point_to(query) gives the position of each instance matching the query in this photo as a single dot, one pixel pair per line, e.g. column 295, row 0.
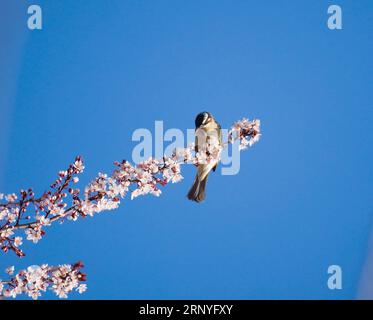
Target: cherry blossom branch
column 62, row 280
column 104, row 193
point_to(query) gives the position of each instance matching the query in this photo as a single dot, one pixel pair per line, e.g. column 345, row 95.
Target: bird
column 207, row 129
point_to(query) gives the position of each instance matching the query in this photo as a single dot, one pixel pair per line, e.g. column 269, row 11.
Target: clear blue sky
column 303, row 198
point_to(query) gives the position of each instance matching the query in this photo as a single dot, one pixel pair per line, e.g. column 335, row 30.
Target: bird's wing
column 204, row 170
column 196, row 144
column 220, row 142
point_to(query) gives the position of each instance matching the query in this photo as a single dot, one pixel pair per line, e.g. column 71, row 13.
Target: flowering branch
column 61, row 280
column 104, row 193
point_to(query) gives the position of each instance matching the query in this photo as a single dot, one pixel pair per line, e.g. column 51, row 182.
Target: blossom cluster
column 247, row 132
column 34, row 280
column 31, row 214
column 65, row 201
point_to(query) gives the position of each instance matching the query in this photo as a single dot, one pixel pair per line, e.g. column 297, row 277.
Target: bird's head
column 203, row 118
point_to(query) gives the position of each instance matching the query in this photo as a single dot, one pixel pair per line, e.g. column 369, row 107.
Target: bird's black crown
column 201, row 117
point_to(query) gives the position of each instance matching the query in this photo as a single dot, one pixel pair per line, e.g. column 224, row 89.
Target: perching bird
column 207, row 129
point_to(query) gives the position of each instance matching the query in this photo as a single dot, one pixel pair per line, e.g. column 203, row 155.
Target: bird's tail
column 197, row 191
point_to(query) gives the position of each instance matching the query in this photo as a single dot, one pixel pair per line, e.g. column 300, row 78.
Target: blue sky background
column 303, row 198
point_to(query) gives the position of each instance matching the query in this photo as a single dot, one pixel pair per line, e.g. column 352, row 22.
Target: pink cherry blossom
column 25, row 212
column 62, row 280
column 10, row 270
